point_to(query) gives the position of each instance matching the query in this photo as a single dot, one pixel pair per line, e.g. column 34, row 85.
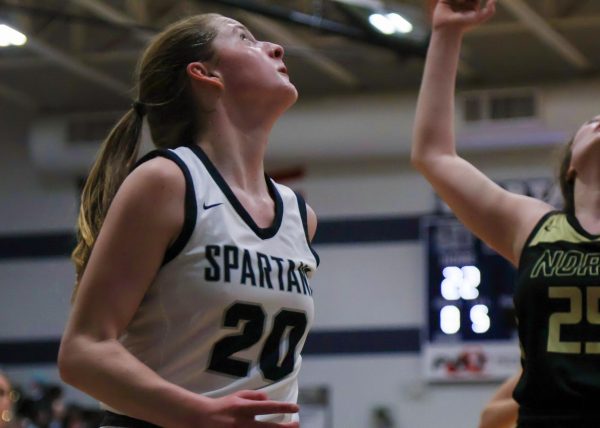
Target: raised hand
column 462, row 14
column 239, row 410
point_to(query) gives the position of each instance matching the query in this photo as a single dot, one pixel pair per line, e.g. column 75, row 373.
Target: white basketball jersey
column 231, row 306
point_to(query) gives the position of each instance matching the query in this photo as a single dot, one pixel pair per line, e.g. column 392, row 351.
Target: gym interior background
column 527, row 80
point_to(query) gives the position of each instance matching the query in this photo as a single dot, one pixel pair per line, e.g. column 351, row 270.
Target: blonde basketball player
column 193, row 299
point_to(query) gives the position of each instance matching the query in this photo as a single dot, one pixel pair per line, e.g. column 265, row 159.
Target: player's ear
column 199, row 73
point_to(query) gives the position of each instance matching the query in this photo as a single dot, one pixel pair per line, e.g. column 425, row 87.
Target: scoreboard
column 471, row 329
column 470, row 287
column 470, row 332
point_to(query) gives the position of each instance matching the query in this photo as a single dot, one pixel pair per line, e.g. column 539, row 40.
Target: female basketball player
column 557, row 253
column 193, row 300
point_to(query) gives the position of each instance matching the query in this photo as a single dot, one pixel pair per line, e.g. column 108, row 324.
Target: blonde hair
column 165, row 97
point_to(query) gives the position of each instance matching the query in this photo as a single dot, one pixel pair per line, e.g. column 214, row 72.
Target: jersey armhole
column 304, row 217
column 191, row 210
column 535, row 231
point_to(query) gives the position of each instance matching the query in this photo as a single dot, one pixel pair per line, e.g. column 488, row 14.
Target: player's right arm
column 500, row 218
column 502, row 410
column 145, row 217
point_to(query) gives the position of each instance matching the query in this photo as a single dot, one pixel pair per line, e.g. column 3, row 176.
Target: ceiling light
column 10, row 36
column 401, row 24
column 382, row 23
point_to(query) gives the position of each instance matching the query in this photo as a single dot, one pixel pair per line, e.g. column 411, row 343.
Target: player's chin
column 293, row 93
column 288, row 94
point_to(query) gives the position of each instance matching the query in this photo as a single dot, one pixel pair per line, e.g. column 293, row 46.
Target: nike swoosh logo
column 206, row 207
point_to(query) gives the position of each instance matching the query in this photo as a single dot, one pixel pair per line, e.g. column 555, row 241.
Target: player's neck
column 239, row 157
column 587, row 205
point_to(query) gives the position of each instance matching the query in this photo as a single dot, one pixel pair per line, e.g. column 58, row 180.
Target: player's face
column 249, row 68
column 585, row 151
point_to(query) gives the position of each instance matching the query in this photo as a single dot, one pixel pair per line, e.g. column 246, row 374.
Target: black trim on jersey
column 111, row 419
column 534, row 232
column 191, row 210
column 579, row 228
column 304, row 217
column 263, row 233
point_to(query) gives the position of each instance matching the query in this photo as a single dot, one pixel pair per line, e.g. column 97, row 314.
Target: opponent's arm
column 500, row 218
column 145, row 216
column 502, row 410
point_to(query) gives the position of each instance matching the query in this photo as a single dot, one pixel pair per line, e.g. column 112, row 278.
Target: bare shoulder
column 530, row 215
column 158, row 171
column 144, row 218
column 312, row 222
column 153, row 194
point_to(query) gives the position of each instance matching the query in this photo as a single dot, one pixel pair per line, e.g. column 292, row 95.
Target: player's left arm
column 311, row 222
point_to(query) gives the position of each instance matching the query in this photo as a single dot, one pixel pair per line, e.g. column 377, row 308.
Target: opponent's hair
column 165, row 97
column 567, row 183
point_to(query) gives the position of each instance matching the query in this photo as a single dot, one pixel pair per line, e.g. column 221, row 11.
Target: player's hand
column 239, row 409
column 462, row 14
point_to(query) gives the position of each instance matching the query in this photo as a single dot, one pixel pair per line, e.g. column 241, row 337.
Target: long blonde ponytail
column 173, row 118
column 115, row 160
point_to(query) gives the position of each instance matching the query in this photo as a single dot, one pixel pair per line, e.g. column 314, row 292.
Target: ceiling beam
column 115, row 16
column 536, row 24
column 76, row 66
column 281, row 35
column 72, row 64
column 407, row 47
column 96, row 58
column 565, row 24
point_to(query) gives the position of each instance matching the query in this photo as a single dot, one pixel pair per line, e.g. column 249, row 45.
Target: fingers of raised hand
column 462, row 5
column 469, row 12
column 488, row 11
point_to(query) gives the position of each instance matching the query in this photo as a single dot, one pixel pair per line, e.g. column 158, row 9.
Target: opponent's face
column 250, row 68
column 586, row 145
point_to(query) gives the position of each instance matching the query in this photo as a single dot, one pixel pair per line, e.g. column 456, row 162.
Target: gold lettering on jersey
column 566, row 263
column 573, row 317
column 593, row 317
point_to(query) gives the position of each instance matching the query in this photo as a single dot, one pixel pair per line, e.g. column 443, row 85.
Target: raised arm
column 146, row 215
column 500, row 218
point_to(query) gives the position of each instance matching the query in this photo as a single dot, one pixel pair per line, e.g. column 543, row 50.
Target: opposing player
column 193, row 299
column 557, row 253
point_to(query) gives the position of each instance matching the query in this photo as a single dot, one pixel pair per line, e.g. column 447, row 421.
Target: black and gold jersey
column 557, row 301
